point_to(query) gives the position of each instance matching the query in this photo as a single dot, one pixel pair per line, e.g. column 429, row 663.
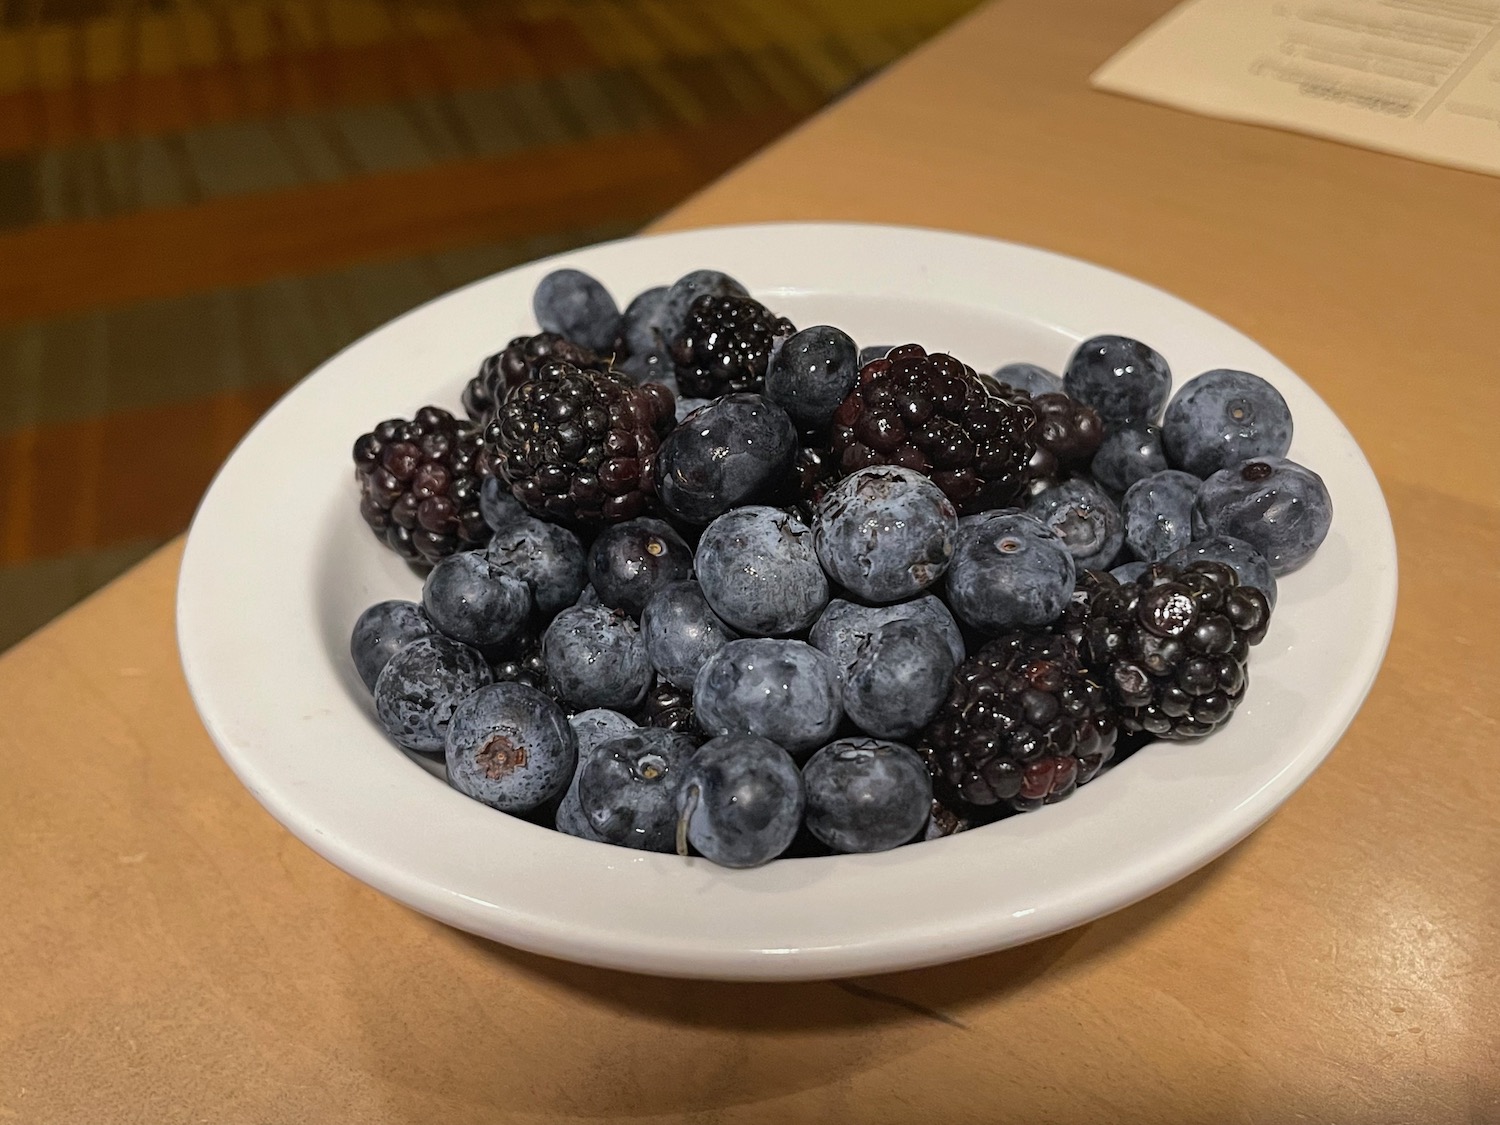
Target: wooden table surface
column 169, row 954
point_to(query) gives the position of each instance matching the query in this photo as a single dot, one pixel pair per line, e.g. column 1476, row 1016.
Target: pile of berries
column 835, row 599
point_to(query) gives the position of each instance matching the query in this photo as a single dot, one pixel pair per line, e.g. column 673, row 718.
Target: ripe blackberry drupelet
column 576, row 445
column 521, row 662
column 419, row 484
column 1023, row 726
column 931, row 413
column 670, row 708
column 1170, row 647
column 1067, row 436
column 517, row 363
column 725, row 345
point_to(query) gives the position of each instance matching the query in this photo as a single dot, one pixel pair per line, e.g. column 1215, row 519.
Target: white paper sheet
column 1416, row 77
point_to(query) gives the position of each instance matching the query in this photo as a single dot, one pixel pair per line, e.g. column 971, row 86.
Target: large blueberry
column 473, row 601
column 1123, row 379
column 547, row 557
column 845, row 627
column 1243, row 559
column 786, row 691
column 1127, row 454
column 1030, row 378
column 1223, row 417
column 1009, row 571
column 646, row 358
column 1158, row 513
column 682, row 631
column 899, row 679
column 885, row 532
column 421, row 686
column 576, row 304
column 812, row 373
column 1084, row 518
column 866, row 795
column 628, row 788
column 724, row 455
column 595, row 657
column 380, row 633
column 740, row 801
column 511, row 747
column 498, row 507
column 630, row 561
column 1279, row 507
column 759, row 571
column 592, row 729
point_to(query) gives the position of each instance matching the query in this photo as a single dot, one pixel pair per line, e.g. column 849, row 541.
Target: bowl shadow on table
column 742, row 1043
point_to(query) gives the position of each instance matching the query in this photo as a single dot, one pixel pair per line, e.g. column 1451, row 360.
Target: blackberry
column 1023, row 726
column 813, row 474
column 517, row 364
column 1067, row 436
column 931, row 413
column 725, row 345
column 670, row 708
column 521, row 662
column 576, row 445
column 419, row 484
column 1170, row 647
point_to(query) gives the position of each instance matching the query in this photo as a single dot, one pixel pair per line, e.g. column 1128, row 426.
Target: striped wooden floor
column 202, row 199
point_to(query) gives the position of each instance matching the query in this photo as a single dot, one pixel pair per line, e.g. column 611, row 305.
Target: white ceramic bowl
column 278, row 566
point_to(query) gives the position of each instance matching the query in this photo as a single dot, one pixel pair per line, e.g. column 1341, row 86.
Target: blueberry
column 885, row 532
column 866, row 795
column 899, row 679
column 740, row 801
column 1158, row 513
column 473, row 601
column 1030, row 378
column 680, row 296
column 510, row 747
column 498, row 507
column 760, row 573
column 646, row 358
column 546, row 557
column 786, row 691
column 596, row 657
column 811, row 374
column 723, row 455
column 1127, row 454
column 630, row 561
column 871, row 352
column 628, row 788
column 380, row 633
column 1245, row 560
column 1084, row 518
column 1223, row 417
column 682, row 631
column 421, row 686
column 578, row 306
column 1009, row 571
column 1123, row 379
column 592, row 729
column 1279, row 507
column 844, row 628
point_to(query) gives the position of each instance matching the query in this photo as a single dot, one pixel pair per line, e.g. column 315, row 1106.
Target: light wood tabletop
column 169, row 954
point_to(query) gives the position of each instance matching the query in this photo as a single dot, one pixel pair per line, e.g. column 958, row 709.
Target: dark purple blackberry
column 521, row 663
column 725, row 346
column 1171, row 647
column 419, row 484
column 1067, row 436
column 813, row 473
column 933, row 414
column 576, row 445
column 516, row 364
column 670, row 708
column 1023, row 726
